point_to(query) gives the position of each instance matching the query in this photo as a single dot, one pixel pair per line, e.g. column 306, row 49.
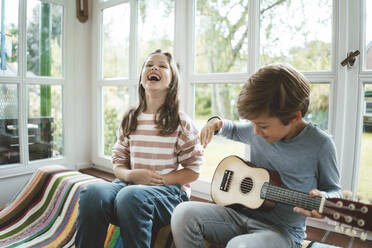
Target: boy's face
column 271, row 129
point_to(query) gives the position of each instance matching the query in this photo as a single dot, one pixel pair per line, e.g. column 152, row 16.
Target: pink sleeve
column 190, row 153
column 120, row 151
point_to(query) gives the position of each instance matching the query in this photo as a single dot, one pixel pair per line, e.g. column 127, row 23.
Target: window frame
column 22, row 80
column 98, row 157
column 342, row 115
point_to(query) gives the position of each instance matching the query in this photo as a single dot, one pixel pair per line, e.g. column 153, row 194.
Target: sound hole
column 246, row 185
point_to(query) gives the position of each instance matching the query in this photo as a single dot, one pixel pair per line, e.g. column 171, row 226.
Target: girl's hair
column 167, row 117
column 276, row 90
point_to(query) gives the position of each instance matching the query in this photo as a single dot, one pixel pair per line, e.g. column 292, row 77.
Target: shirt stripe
column 145, row 148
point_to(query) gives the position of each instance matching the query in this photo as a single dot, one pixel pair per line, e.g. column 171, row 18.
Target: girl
column 156, row 156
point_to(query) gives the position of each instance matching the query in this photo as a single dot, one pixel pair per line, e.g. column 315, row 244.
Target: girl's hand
column 208, row 130
column 145, row 177
column 308, row 213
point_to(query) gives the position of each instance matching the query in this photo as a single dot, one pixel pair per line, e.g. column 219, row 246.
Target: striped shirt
column 145, row 148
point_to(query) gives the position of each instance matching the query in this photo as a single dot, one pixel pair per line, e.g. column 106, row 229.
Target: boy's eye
column 148, row 65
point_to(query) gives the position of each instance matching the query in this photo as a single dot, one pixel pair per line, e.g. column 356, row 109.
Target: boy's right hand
column 208, row 130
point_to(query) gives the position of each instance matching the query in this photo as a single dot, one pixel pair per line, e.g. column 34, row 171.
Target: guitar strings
column 289, row 196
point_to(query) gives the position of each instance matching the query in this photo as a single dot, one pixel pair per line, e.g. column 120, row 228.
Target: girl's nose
column 154, row 67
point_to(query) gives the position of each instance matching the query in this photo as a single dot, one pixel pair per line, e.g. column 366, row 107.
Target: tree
column 222, row 42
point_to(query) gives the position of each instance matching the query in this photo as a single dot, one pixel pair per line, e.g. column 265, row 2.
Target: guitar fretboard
column 290, row 197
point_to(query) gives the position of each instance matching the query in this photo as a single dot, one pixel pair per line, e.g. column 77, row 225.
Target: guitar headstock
column 353, row 214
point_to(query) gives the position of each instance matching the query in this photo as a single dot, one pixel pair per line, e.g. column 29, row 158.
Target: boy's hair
column 167, row 117
column 276, row 90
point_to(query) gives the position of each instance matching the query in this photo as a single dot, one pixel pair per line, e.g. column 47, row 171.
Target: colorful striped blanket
column 44, row 212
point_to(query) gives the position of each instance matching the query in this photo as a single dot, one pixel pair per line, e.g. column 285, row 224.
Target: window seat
column 44, row 212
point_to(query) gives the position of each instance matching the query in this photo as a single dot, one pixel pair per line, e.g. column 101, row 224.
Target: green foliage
column 203, row 104
column 110, row 127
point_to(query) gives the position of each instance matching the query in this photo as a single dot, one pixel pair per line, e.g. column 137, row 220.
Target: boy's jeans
column 136, row 209
column 194, row 222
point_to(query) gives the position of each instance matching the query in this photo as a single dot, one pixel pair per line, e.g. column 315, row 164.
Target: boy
column 274, row 100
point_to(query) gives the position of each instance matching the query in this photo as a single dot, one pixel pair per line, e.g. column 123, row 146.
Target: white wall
column 10, row 186
column 77, row 108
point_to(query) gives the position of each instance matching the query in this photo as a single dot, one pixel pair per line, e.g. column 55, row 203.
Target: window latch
column 350, row 59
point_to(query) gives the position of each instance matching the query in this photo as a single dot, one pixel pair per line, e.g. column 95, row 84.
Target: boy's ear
column 297, row 116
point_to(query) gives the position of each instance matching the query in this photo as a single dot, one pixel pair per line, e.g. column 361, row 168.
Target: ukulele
column 236, row 181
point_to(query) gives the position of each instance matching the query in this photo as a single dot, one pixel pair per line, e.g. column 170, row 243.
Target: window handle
column 350, row 59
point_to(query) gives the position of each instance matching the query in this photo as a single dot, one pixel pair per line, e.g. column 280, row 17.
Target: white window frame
column 344, row 113
column 98, row 158
column 22, row 80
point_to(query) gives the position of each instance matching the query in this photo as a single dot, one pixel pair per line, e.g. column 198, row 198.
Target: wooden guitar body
column 246, row 187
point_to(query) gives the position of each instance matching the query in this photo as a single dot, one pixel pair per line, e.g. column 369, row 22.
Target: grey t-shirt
column 305, row 162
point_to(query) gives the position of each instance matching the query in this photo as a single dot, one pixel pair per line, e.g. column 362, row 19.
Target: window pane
column 217, row 99
column 155, row 27
column 368, row 56
column 319, row 105
column 221, row 30
column 115, row 37
column 365, row 164
column 296, row 32
column 45, row 125
column 44, row 39
column 9, row 140
column 9, row 38
column 115, row 104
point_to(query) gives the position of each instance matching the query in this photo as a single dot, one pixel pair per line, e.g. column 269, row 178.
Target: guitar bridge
column 226, row 180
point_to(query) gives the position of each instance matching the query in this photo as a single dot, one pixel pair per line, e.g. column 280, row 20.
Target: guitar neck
column 290, row 197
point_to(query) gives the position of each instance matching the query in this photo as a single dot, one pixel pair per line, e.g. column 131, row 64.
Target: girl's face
column 156, row 74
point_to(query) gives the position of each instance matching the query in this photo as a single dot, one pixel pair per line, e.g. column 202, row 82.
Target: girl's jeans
column 136, row 209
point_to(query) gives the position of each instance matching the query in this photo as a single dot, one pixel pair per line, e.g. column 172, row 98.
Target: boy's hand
column 307, row 213
column 208, row 130
column 146, row 177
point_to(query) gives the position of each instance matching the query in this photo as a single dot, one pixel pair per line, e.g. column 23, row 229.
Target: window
column 368, row 108
column 368, row 35
column 9, row 38
column 221, row 49
column 305, row 41
column 365, row 168
column 144, row 26
column 115, row 47
column 31, row 82
column 219, row 44
column 217, row 99
column 221, row 33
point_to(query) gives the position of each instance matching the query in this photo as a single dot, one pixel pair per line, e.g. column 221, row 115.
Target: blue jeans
column 194, row 222
column 136, row 209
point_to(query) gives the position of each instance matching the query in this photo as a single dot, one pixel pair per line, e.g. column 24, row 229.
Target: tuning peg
column 347, row 194
column 339, row 228
column 363, row 236
column 359, row 197
column 351, row 232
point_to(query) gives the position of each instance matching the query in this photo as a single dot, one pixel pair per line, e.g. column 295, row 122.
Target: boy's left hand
column 307, row 213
